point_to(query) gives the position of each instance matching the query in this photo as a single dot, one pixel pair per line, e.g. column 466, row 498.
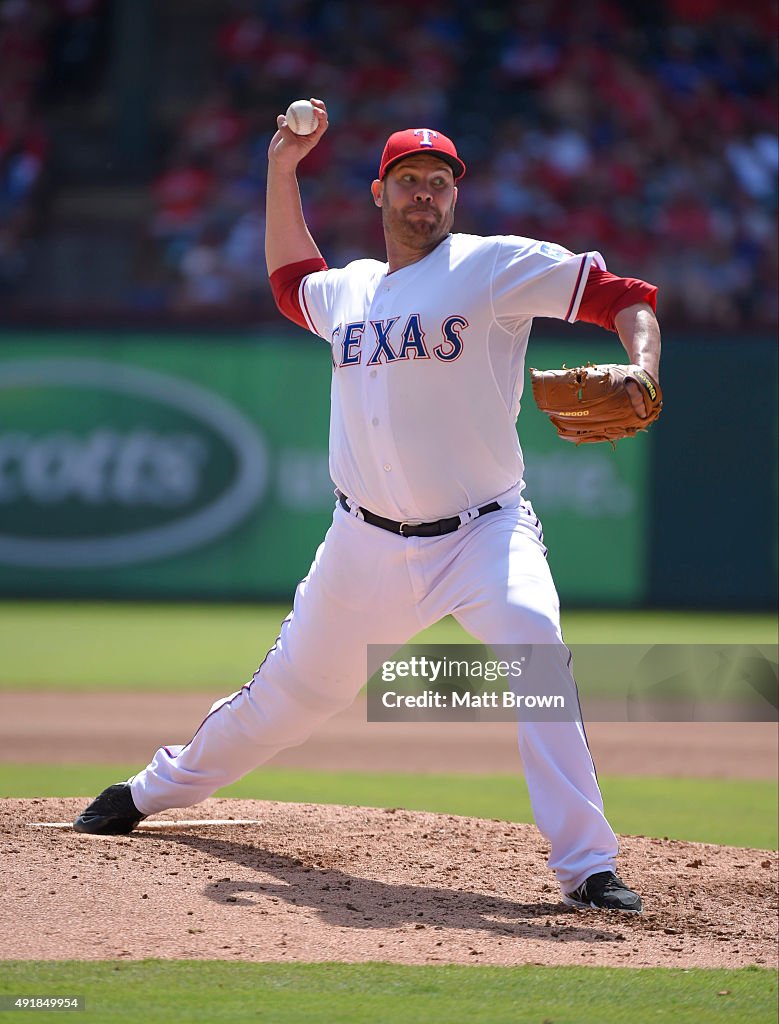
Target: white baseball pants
column 369, row 586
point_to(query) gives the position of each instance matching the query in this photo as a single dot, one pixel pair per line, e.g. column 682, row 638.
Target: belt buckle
column 408, row 522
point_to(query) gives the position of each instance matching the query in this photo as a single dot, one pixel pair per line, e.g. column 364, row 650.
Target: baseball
column 301, row 117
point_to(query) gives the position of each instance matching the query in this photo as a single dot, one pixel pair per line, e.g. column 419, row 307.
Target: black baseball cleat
column 604, row 891
column 113, row 813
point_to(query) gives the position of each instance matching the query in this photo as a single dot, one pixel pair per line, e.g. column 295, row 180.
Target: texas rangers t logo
column 427, row 136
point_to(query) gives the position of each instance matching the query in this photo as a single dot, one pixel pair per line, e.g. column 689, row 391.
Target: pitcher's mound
column 256, row 880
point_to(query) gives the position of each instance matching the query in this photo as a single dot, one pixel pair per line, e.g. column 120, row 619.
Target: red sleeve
column 285, row 285
column 606, row 294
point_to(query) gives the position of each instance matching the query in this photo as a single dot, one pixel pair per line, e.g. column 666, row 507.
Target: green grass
column 727, row 812
column 198, row 647
column 157, row 992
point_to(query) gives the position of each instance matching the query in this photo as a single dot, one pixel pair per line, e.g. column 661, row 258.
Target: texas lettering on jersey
column 386, row 341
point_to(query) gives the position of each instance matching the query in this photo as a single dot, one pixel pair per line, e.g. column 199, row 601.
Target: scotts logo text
column 103, row 465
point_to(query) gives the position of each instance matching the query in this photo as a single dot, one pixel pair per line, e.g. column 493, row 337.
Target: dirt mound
column 278, row 881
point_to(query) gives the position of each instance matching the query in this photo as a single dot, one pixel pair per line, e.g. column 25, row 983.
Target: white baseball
column 301, row 117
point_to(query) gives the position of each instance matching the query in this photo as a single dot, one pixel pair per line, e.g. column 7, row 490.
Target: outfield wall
column 173, row 466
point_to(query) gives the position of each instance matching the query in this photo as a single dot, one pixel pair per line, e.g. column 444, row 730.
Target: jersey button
column 373, row 373
column 387, row 467
column 375, row 421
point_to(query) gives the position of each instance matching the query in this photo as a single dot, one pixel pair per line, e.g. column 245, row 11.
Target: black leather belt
column 412, row 529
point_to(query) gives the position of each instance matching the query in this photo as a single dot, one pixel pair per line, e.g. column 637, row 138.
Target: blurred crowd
column 646, row 131
column 46, row 47
column 23, row 142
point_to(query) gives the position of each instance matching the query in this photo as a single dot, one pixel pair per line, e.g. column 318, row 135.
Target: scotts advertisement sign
column 104, row 464
column 152, row 465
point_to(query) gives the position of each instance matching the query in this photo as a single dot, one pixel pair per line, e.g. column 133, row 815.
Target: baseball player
column 428, row 353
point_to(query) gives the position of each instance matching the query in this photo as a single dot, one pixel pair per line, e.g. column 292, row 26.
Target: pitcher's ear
column 377, row 191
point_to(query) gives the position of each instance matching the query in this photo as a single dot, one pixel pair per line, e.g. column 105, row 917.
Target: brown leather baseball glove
column 593, row 403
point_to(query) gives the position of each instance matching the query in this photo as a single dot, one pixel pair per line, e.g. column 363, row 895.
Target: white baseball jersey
column 428, row 368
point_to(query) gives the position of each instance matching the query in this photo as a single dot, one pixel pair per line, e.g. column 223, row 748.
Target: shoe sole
column 578, row 905
column 109, row 829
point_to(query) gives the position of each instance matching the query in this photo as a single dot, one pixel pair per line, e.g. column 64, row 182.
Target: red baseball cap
column 413, row 141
